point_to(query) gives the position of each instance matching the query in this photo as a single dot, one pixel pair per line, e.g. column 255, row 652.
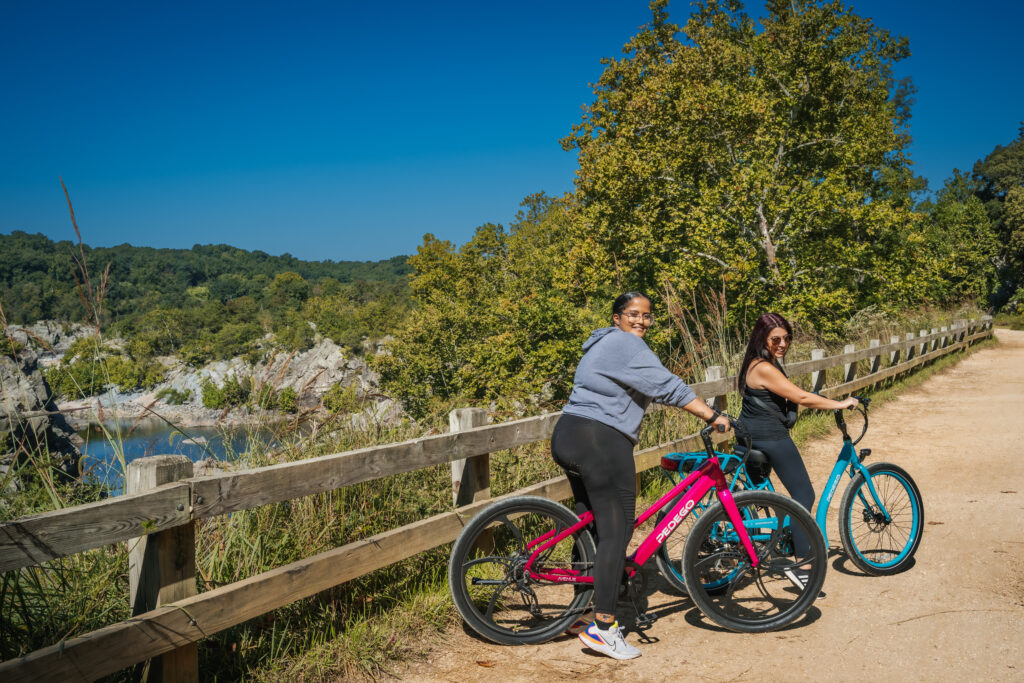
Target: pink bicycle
column 520, row 572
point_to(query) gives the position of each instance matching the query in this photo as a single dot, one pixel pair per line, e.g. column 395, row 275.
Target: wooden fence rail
column 171, row 627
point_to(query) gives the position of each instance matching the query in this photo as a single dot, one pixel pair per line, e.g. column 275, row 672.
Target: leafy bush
column 9, row 347
column 287, row 400
column 173, row 397
column 81, row 376
column 342, row 398
column 234, row 392
column 264, row 396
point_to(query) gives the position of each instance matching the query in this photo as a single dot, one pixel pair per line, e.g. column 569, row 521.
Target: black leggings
column 599, row 463
column 789, row 466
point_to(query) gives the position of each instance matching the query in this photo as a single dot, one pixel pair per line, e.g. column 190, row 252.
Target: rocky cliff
column 29, row 423
column 310, row 374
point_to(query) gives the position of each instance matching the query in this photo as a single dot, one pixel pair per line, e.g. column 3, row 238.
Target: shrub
column 9, row 347
column 264, row 396
column 212, row 396
column 234, row 392
column 287, row 400
column 342, row 398
column 173, row 397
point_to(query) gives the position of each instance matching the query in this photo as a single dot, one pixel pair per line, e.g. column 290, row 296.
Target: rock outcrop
column 309, row 373
column 29, row 421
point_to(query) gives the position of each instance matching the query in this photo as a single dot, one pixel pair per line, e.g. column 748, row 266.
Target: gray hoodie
column 618, row 377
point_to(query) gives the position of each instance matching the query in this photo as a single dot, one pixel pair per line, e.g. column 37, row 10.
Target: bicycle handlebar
column 738, row 427
column 862, row 408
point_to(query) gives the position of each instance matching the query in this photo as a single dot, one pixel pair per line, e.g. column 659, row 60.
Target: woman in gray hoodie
column 617, row 378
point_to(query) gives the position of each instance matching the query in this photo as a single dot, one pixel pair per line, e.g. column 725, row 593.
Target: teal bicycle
column 881, row 514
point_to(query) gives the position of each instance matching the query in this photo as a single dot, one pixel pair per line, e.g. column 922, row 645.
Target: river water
column 111, row 446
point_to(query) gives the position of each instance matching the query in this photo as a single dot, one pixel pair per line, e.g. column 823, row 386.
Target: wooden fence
column 163, row 502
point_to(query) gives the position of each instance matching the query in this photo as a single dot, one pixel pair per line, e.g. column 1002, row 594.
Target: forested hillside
column 210, row 302
column 37, row 275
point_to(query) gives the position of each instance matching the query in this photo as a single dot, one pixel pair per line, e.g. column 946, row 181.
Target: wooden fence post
column 849, row 369
column 875, row 361
column 471, row 477
column 911, row 349
column 818, row 376
column 162, row 566
column 944, row 341
column 934, row 344
column 922, row 348
column 894, row 356
column 712, row 373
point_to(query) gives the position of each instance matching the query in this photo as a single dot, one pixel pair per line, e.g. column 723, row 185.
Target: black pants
column 599, row 463
column 789, row 466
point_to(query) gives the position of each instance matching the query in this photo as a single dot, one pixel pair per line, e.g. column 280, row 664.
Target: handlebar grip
column 720, row 428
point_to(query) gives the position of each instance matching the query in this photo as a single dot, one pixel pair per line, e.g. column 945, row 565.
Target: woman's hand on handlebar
column 721, row 423
column 850, row 403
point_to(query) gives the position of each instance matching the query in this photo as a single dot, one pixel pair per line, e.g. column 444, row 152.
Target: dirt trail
column 957, row 614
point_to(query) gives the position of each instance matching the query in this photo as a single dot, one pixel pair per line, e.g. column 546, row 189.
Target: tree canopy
column 766, row 155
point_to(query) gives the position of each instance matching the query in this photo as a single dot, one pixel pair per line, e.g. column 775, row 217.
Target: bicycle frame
column 689, row 491
column 848, row 460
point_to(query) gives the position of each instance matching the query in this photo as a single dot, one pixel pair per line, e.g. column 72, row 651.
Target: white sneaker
column 800, row 579
column 580, row 624
column 608, row 642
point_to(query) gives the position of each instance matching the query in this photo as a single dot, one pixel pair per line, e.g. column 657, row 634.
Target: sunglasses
column 775, row 341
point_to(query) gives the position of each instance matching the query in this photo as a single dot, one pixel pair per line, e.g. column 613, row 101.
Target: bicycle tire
column 875, row 546
column 762, row 598
column 493, row 594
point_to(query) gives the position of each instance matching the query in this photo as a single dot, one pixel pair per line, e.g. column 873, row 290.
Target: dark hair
column 757, row 348
column 622, row 300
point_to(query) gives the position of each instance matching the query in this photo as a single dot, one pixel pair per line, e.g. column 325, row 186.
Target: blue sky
column 346, row 131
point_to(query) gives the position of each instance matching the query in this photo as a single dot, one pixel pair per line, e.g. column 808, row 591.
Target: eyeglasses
column 634, row 316
column 775, row 341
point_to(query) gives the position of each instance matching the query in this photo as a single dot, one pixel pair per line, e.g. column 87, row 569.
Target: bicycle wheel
column 875, row 545
column 761, row 598
column 489, row 586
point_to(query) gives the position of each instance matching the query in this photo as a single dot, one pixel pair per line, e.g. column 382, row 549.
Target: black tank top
column 769, row 416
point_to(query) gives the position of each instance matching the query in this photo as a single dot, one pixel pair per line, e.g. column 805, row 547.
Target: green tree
column 1000, row 182
column 754, row 157
column 288, row 290
column 493, row 321
column 962, row 246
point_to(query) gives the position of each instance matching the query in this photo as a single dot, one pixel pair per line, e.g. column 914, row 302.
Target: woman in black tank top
column 769, row 410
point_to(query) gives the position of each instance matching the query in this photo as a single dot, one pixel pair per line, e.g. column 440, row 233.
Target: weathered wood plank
column 651, row 457
column 38, row 538
column 120, row 645
column 246, row 489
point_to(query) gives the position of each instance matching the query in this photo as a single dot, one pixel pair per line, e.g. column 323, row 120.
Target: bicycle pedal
column 645, row 620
